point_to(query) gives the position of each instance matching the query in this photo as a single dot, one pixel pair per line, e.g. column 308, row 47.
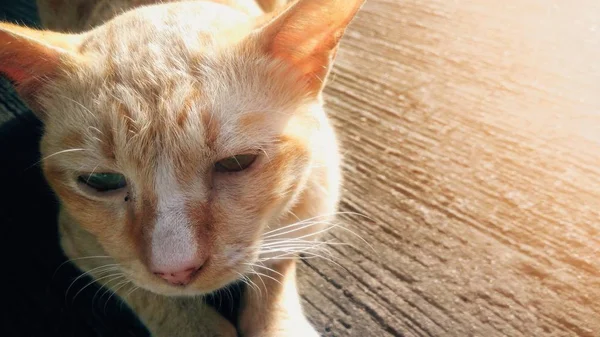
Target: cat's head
column 176, row 133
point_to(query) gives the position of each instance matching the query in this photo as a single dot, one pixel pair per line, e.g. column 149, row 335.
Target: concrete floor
column 471, row 133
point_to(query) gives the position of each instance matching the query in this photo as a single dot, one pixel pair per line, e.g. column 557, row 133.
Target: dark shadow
column 36, row 279
column 35, row 300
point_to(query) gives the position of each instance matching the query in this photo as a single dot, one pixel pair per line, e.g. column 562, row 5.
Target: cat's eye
column 235, row 163
column 103, row 182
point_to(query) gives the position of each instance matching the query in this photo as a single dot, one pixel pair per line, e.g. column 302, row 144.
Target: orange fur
column 159, row 94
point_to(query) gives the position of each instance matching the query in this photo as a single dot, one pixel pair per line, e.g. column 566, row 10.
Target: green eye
column 236, row 163
column 103, row 182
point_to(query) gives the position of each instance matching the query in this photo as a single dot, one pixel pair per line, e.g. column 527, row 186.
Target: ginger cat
column 189, row 149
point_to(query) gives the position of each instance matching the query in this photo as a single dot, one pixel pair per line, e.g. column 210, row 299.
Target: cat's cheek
column 285, row 178
column 264, row 195
column 97, row 220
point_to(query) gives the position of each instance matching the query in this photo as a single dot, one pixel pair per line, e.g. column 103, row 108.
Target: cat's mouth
column 183, row 277
column 210, row 277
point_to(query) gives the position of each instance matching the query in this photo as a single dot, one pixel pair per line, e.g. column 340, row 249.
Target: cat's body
column 159, row 96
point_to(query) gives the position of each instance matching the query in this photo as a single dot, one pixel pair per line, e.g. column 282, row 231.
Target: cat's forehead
column 227, row 90
column 169, row 88
column 164, row 58
column 168, row 30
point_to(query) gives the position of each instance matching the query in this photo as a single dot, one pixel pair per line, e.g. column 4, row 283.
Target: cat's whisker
column 123, row 298
column 359, row 237
column 283, row 239
column 250, row 283
column 261, row 280
column 280, row 244
column 292, row 247
column 257, row 248
column 320, row 244
column 296, row 252
column 298, row 249
column 242, row 278
column 77, row 259
column 92, row 282
column 114, row 288
column 287, row 248
column 326, row 229
column 288, row 256
column 229, row 294
column 107, row 288
column 117, row 287
column 56, row 154
column 105, row 285
column 275, row 242
column 111, row 266
column 259, row 274
column 314, row 218
column 332, row 226
column 220, row 298
column 130, row 292
column 285, row 242
column 256, row 288
column 266, row 155
column 294, row 228
column 92, row 173
column 265, row 267
column 295, row 216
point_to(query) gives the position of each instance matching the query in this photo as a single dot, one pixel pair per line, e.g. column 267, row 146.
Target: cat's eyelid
column 241, row 153
column 81, row 172
column 242, row 147
column 96, row 195
column 98, row 169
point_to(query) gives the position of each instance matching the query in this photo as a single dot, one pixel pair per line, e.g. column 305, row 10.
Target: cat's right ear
column 30, row 58
column 306, row 36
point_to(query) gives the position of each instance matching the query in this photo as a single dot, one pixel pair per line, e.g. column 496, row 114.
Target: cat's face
column 177, row 142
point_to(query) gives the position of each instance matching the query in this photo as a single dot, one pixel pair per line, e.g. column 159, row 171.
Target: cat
column 188, row 147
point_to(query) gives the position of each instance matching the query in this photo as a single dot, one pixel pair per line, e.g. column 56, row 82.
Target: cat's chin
column 180, row 291
column 176, row 291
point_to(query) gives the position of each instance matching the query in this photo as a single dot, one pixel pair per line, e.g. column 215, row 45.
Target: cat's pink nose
column 180, row 276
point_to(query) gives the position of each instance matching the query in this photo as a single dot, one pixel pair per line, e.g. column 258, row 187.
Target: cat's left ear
column 30, row 57
column 307, row 34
